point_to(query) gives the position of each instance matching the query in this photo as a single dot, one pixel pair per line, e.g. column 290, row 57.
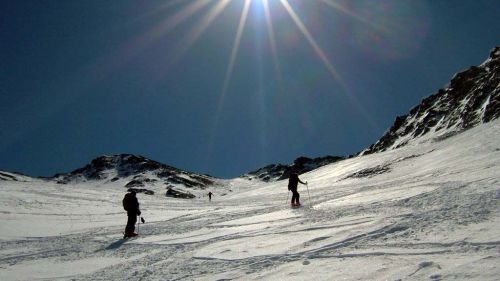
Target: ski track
column 431, row 214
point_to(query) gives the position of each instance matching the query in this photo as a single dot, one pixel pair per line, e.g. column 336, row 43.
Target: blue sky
column 221, row 87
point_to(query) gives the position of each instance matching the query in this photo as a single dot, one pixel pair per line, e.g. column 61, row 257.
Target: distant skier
column 210, row 195
column 293, row 181
column 131, row 205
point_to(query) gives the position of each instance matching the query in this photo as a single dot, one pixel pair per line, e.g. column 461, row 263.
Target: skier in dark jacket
column 210, row 195
column 131, row 205
column 293, row 181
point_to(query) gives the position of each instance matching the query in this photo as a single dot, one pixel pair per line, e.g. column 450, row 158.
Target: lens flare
column 331, row 69
column 229, row 72
column 317, row 49
column 389, row 30
column 195, row 33
column 272, row 42
column 134, row 47
column 234, row 52
column 385, row 29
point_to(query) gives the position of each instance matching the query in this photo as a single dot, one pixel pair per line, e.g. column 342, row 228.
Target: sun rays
column 273, row 45
column 236, row 47
column 186, row 21
column 272, row 42
column 310, row 39
column 205, row 12
column 184, row 44
column 201, row 14
column 194, row 17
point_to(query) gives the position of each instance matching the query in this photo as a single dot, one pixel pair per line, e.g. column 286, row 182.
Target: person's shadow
column 115, row 245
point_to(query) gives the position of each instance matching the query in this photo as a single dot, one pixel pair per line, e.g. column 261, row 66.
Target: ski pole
column 308, row 195
column 287, row 195
column 138, row 224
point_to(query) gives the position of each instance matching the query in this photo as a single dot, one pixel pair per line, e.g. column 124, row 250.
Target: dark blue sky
column 79, row 79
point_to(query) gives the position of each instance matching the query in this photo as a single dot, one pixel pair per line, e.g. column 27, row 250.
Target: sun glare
column 205, row 12
column 201, row 14
column 285, row 23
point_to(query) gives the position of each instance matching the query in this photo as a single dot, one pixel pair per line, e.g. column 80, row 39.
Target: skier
column 210, row 195
column 131, row 205
column 293, row 181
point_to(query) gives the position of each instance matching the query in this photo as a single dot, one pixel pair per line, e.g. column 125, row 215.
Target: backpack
column 128, row 202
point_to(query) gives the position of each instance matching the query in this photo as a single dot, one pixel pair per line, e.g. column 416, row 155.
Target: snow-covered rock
column 472, row 98
column 136, row 171
column 10, row 176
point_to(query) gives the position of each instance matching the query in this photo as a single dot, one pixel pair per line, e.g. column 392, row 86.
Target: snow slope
column 421, row 212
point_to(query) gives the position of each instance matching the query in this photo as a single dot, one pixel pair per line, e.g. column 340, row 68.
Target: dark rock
column 369, row 172
column 134, row 183
column 178, row 194
column 142, row 190
column 5, row 176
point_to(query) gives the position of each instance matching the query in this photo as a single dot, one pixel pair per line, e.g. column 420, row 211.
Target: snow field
column 423, row 212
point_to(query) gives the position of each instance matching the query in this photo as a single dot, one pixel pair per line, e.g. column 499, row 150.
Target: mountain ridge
column 471, row 98
column 138, row 170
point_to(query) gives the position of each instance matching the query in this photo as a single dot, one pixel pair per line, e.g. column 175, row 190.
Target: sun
column 197, row 16
column 200, row 15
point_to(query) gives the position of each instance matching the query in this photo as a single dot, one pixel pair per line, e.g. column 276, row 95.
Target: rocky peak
column 472, row 98
column 139, row 171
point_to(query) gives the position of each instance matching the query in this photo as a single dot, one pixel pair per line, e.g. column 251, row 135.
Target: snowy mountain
column 424, row 212
column 472, row 98
column 275, row 172
column 137, row 172
column 429, row 210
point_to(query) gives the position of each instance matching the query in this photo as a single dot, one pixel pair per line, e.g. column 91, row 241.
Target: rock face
column 138, row 169
column 472, row 97
column 276, row 172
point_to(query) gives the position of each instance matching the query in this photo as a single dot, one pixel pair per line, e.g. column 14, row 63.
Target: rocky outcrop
column 472, row 98
column 178, row 194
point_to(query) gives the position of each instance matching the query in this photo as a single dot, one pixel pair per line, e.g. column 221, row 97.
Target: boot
column 129, row 234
